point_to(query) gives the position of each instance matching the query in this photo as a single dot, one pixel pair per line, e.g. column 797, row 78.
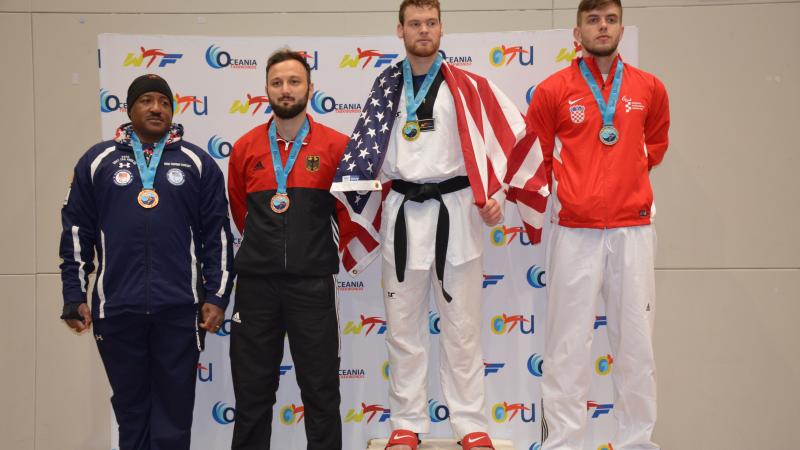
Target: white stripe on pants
column 461, row 361
column 584, row 266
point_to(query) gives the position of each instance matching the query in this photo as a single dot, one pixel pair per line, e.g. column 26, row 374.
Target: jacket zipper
column 285, row 244
column 147, row 260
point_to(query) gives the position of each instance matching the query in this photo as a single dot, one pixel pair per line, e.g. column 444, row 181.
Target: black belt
column 419, row 192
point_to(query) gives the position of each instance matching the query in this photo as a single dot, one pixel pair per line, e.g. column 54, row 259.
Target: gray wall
column 728, row 262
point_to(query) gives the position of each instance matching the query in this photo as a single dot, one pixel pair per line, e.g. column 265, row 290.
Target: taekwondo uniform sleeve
column 79, row 225
column 217, row 240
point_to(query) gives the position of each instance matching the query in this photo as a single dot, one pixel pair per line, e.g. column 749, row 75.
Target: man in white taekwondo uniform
column 438, row 137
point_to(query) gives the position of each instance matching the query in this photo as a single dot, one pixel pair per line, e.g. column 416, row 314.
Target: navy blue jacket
column 178, row 253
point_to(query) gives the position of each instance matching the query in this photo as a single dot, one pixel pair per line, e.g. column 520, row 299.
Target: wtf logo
column 381, row 59
column 151, row 55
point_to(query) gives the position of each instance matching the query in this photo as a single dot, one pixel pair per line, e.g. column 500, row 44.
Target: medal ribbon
column 147, row 171
column 413, row 102
column 606, row 110
column 281, row 172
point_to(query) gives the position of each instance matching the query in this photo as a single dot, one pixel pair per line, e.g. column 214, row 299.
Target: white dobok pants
column 461, row 361
column 585, row 266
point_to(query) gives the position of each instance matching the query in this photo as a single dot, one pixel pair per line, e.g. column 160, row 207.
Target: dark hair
column 285, row 54
column 419, row 4
column 589, row 5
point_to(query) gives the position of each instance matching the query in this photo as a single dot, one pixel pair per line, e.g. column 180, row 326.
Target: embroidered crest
column 176, row 177
column 312, row 163
column 123, row 177
column 577, row 113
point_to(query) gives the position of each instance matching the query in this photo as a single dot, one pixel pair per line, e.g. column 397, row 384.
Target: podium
column 439, row 444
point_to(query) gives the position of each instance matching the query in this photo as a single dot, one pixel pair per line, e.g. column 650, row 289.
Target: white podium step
column 439, row 444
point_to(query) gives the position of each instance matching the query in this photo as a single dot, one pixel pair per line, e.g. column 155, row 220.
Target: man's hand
column 213, row 316
column 81, row 326
column 491, row 213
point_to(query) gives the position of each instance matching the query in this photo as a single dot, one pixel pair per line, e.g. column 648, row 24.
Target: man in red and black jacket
column 279, row 178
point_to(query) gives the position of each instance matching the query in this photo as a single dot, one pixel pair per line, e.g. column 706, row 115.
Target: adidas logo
column 236, row 318
column 648, row 307
column 259, row 166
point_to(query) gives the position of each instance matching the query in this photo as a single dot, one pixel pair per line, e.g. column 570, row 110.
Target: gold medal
column 411, row 130
column 147, row 198
column 279, row 203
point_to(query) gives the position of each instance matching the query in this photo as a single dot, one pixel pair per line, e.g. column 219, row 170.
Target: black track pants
column 266, row 309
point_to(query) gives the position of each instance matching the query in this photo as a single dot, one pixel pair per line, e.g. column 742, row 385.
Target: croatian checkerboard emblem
column 577, row 113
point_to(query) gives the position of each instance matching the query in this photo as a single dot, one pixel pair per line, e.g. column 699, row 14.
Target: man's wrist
column 71, row 311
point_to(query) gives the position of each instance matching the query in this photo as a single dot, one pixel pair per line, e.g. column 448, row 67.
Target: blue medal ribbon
column 281, row 172
column 413, row 102
column 147, row 171
column 607, row 110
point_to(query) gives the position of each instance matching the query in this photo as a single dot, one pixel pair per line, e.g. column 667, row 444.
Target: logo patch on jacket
column 577, row 113
column 176, row 177
column 123, row 177
column 259, row 166
column 632, row 105
column 312, row 163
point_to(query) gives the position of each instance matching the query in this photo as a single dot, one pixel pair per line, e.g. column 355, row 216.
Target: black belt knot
column 420, row 192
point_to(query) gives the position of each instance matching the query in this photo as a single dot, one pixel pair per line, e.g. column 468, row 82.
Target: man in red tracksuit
column 278, row 182
column 602, row 126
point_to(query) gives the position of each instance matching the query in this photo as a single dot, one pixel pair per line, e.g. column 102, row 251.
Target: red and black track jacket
column 304, row 239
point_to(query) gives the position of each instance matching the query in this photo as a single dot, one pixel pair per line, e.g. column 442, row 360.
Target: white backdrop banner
column 219, row 83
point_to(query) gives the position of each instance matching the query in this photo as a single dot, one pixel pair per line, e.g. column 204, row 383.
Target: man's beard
column 291, row 111
column 422, row 53
column 601, row 52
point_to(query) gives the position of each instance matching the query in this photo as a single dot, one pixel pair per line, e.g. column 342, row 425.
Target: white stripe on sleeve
column 194, row 266
column 76, row 255
column 101, row 293
column 195, row 159
column 222, row 262
column 96, row 163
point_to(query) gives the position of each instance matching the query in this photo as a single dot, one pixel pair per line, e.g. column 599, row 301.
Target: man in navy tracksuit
column 153, row 208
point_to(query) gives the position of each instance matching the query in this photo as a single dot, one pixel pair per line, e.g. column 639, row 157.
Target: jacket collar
column 591, row 63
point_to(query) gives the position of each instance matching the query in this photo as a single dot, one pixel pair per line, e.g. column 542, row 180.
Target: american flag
column 489, row 127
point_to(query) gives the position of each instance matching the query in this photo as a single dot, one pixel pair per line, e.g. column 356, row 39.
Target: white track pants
column 461, row 361
column 584, row 266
